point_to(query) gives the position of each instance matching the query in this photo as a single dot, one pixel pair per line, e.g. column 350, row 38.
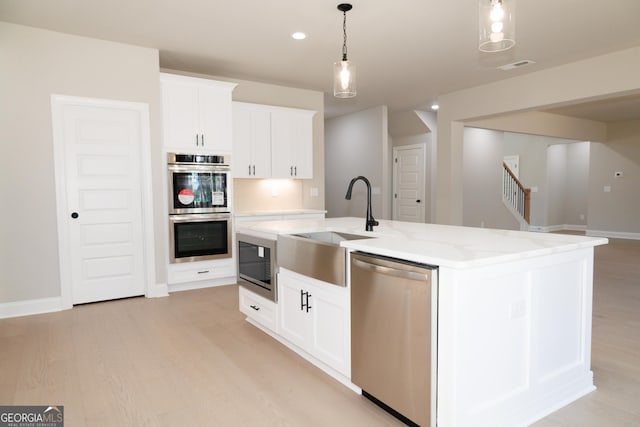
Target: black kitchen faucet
column 371, row 221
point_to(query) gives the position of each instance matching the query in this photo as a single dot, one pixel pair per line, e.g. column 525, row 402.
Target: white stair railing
column 515, row 194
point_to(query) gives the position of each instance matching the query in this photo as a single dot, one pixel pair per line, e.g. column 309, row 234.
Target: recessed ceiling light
column 298, row 35
column 435, row 106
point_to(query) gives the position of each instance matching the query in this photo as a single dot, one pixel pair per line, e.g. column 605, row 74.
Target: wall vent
column 516, row 64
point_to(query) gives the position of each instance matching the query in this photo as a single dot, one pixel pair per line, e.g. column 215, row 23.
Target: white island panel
column 514, row 340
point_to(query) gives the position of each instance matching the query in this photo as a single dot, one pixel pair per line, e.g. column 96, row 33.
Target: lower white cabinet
column 258, row 309
column 203, row 270
column 314, row 316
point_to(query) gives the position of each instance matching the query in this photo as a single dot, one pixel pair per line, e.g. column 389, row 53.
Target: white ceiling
column 407, row 52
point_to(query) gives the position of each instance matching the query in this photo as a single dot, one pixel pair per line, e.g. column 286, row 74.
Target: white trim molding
column 29, row 307
column 613, row 234
column 158, row 291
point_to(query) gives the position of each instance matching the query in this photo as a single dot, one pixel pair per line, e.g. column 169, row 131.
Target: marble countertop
column 440, row 245
column 279, row 212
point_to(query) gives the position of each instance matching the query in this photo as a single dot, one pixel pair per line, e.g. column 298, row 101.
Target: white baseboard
column 613, row 234
column 29, row 307
column 561, row 227
column 158, row 291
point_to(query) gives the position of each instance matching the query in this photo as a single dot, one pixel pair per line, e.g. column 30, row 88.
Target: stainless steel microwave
column 256, row 259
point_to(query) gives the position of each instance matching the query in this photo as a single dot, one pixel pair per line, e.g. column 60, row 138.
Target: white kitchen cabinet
column 272, row 142
column 196, row 114
column 292, row 144
column 258, row 308
column 251, row 141
column 314, row 316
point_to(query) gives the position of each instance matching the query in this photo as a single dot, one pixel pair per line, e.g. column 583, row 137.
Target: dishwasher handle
column 403, row 274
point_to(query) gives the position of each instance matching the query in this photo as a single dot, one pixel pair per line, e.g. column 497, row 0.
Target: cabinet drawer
column 258, row 308
column 193, row 272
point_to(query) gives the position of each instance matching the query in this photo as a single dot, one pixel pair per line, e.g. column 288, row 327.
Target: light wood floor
column 191, row 359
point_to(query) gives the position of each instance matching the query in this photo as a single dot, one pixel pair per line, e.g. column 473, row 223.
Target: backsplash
column 267, row 194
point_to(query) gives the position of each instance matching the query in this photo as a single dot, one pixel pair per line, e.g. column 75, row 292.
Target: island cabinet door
column 330, row 335
column 294, row 320
column 314, row 316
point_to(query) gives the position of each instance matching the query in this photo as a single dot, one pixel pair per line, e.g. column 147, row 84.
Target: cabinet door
column 251, row 142
column 179, row 114
column 242, row 158
column 294, row 320
column 330, row 336
column 292, row 144
column 261, row 143
column 214, row 117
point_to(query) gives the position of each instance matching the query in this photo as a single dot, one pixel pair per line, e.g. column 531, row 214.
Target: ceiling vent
column 517, row 64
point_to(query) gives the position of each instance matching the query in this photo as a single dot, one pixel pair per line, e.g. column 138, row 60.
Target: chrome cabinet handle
column 203, row 272
column 255, row 308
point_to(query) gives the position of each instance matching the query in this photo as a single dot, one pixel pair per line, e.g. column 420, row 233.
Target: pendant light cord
column 344, row 31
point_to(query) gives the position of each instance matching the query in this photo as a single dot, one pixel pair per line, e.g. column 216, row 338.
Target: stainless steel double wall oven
column 199, row 207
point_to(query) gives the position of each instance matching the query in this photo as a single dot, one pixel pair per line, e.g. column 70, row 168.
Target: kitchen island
column 511, row 319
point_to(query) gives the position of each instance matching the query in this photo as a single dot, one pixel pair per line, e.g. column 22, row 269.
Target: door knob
column 74, row 215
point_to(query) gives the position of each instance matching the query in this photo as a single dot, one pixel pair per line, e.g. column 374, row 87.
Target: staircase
column 516, row 197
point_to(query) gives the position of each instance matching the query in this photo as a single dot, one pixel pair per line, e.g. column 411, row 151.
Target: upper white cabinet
column 272, row 142
column 196, row 113
column 292, row 144
column 251, row 141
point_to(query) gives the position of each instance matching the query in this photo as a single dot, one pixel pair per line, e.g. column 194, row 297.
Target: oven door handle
column 200, row 217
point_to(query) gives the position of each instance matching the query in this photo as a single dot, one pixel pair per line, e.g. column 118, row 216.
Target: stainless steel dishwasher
column 393, row 305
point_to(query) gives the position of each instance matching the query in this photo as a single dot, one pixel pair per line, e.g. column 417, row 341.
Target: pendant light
column 344, row 72
column 497, row 25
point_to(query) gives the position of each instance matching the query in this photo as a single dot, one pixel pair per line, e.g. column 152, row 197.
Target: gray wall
column 356, row 144
column 35, row 64
column 532, row 150
column 569, row 208
column 618, row 210
column 482, row 179
column 558, row 168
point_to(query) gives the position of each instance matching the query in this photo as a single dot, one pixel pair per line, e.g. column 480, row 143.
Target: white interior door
column 409, row 183
column 98, row 148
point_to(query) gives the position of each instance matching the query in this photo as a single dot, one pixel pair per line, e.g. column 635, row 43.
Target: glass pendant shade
column 344, row 79
column 497, row 29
